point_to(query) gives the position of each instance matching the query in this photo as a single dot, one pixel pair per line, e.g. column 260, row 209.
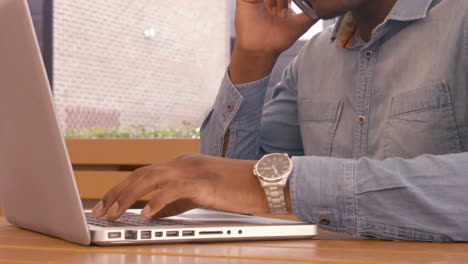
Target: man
column 373, row 112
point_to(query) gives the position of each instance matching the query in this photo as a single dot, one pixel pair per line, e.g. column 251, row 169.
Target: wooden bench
column 100, row 164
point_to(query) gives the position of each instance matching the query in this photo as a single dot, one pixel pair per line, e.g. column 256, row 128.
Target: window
column 126, row 68
column 138, row 69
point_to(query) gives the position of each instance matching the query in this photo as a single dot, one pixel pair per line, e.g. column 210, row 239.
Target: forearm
column 391, row 199
column 247, row 67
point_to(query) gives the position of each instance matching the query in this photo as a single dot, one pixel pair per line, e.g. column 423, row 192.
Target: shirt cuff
column 251, row 96
column 322, row 192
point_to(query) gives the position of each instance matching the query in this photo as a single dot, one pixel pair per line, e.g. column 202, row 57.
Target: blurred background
column 138, row 68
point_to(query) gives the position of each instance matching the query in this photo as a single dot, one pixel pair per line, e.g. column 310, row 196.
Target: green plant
column 137, row 132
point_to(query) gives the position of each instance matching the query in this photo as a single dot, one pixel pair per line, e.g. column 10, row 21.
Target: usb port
column 145, row 234
column 158, row 234
column 188, row 233
column 114, row 235
column 172, row 233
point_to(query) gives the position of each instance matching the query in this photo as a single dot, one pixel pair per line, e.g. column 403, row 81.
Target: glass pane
column 138, row 69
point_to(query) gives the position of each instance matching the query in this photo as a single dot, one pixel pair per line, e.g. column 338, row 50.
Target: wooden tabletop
column 21, row 246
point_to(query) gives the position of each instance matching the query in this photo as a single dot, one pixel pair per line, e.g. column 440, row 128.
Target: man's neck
column 370, row 15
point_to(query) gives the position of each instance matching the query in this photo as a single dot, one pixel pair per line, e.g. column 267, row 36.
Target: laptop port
column 210, row 232
column 114, row 235
column 131, row 234
column 158, row 234
column 188, row 233
column 172, row 233
column 145, row 235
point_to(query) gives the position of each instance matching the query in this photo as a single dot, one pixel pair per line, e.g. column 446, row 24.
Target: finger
column 270, row 6
column 111, row 196
column 166, row 195
column 144, row 185
column 282, row 8
column 127, row 198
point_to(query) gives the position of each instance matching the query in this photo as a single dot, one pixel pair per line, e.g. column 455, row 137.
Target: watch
column 273, row 171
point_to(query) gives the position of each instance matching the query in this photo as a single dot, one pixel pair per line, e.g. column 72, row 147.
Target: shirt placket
column 367, row 62
column 368, row 57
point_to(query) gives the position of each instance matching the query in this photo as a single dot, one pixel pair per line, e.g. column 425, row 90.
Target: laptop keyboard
column 131, row 219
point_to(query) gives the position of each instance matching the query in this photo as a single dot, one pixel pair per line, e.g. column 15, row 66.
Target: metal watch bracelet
column 276, row 201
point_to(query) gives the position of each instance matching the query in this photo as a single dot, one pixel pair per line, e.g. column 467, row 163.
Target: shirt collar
column 404, row 10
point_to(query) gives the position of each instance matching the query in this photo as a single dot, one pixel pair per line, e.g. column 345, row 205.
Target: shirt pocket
column 422, row 121
column 319, row 121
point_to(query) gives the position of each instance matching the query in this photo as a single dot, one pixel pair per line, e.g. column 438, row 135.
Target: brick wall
column 107, row 73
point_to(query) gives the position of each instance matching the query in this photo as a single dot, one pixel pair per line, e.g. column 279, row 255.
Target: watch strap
column 276, row 201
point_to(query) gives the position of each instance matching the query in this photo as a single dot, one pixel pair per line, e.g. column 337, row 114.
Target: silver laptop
column 37, row 187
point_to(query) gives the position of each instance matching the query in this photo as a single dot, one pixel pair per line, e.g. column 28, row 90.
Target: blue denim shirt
column 378, row 131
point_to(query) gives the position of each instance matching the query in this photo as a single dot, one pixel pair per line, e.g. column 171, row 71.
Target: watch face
column 274, row 167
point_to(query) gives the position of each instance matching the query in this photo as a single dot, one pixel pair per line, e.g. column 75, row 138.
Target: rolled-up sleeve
column 255, row 128
column 236, row 108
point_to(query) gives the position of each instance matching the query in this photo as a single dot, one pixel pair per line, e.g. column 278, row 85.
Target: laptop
column 38, row 191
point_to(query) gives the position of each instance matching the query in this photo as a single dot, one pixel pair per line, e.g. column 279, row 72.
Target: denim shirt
column 378, row 131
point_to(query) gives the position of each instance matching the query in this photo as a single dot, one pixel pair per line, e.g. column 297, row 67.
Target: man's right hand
column 264, row 29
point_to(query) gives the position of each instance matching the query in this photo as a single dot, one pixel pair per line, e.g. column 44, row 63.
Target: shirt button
column 230, row 108
column 324, row 221
column 361, row 120
column 369, row 55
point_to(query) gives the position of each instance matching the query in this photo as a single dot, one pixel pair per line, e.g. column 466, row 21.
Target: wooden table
column 20, row 246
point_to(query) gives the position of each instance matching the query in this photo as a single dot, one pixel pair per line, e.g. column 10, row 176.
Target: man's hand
column 268, row 26
column 187, row 183
column 264, row 29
